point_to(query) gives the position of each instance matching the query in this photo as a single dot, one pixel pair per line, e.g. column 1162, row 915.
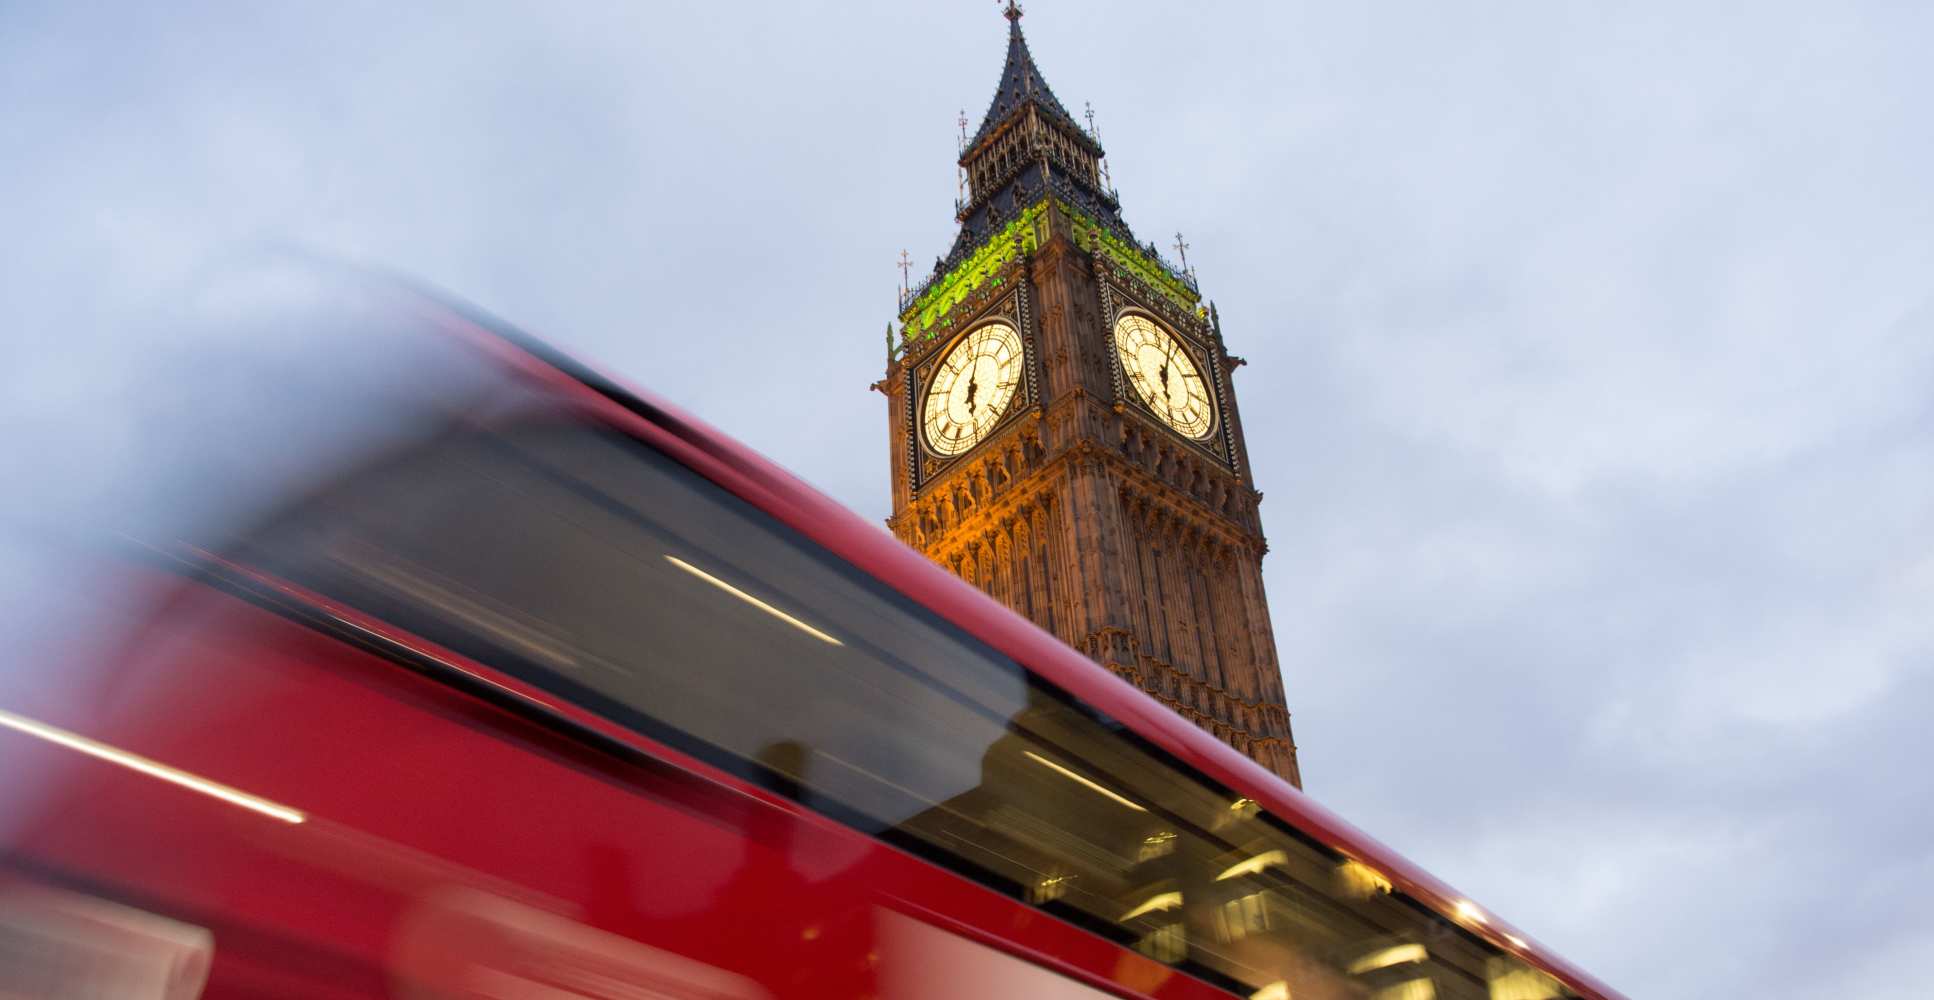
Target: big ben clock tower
column 1064, row 435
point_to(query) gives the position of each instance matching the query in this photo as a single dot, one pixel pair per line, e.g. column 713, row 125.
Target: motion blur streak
column 1159, row 901
column 749, row 599
column 1097, row 787
column 101, row 751
column 465, row 943
column 1253, row 865
column 923, row 962
column 1388, row 957
column 55, row 943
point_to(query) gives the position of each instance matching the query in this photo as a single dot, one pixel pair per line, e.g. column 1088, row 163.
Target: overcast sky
column 1590, row 353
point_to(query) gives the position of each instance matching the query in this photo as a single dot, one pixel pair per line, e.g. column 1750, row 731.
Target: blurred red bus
column 475, row 674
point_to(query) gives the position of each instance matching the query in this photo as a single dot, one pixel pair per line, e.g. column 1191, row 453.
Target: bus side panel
column 305, row 818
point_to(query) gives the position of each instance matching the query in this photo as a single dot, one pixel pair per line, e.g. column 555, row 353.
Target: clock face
column 972, row 389
column 1164, row 375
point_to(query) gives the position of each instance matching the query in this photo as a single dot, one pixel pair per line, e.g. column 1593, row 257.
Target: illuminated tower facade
column 1064, row 434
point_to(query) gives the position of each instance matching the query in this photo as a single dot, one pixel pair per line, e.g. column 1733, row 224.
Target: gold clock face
column 972, row 389
column 1164, row 375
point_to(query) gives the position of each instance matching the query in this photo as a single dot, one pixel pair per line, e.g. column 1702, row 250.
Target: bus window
column 590, row 564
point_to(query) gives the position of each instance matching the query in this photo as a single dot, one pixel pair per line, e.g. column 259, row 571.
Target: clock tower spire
column 1063, row 433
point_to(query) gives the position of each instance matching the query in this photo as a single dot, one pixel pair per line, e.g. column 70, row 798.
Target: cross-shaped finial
column 1013, row 12
column 1088, row 112
column 1182, row 251
column 906, row 265
column 961, row 123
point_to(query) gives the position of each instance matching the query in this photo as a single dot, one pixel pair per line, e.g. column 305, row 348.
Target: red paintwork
column 416, row 788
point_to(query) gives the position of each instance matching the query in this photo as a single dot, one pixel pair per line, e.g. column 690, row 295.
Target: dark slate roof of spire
column 1020, row 80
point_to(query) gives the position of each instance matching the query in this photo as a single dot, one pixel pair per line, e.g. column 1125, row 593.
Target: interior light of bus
column 1251, row 866
column 749, row 599
column 1277, row 990
column 1361, row 880
column 1049, row 889
column 1238, row 918
column 1159, row 901
column 1468, row 911
column 1157, row 845
column 1387, row 957
column 1510, row 980
column 1415, row 989
column 142, row 765
column 1037, row 758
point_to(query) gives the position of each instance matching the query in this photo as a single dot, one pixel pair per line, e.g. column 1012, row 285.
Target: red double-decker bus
column 437, row 665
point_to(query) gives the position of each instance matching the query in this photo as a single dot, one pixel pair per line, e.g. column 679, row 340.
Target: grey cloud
column 1589, row 349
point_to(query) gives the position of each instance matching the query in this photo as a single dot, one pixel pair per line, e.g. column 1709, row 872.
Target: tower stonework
column 1064, row 435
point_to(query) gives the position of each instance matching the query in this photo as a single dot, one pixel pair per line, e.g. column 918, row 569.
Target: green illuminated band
column 926, row 316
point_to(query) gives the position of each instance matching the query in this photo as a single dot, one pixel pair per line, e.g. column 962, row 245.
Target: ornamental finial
column 1013, row 12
